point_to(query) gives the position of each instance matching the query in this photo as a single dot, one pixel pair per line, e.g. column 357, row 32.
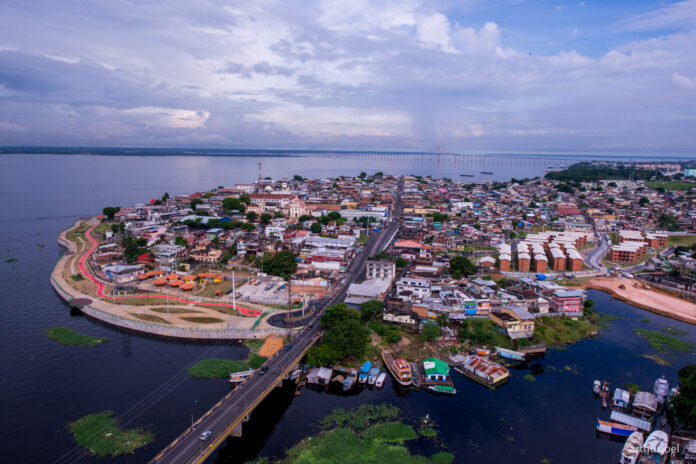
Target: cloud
column 673, row 16
column 684, row 82
column 434, row 30
column 169, row 117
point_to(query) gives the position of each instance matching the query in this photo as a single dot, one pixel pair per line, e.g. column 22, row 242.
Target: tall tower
column 258, row 182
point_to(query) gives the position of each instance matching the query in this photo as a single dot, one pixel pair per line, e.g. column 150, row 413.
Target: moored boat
column 381, row 378
column 480, row 369
column 447, row 389
column 509, row 354
column 349, row 382
column 364, row 370
column 655, row 448
column 596, row 387
column 632, row 448
column 661, row 389
column 398, row 367
column 372, row 375
column 615, row 428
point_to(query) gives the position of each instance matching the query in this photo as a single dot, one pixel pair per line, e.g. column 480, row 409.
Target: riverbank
column 647, row 299
column 87, row 295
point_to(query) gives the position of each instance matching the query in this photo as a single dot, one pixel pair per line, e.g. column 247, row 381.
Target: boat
column 661, row 389
column 450, row 390
column 482, row 351
column 509, row 354
column 480, row 369
column 349, row 382
column 397, row 367
column 372, row 375
column 615, row 428
column 466, row 175
column 596, row 387
column 486, row 172
column 655, row 448
column 632, row 448
column 364, row 370
column 381, row 378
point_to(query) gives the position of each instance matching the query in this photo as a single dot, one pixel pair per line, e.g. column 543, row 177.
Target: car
column 205, row 435
column 310, row 325
column 263, row 370
column 288, row 347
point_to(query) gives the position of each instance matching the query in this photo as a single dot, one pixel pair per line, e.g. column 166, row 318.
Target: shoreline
column 118, row 315
column 672, row 307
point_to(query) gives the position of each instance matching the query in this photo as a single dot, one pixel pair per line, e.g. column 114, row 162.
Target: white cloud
column 484, row 41
column 10, row 126
column 169, row 117
column 674, row 15
column 684, row 82
column 434, row 30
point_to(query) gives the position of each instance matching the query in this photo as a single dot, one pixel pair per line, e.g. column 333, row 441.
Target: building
column 414, row 287
column 568, row 302
column 435, row 370
column 380, row 269
column 515, row 321
column 373, row 289
column 627, row 252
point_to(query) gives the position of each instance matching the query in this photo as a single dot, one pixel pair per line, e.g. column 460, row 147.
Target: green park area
column 670, row 185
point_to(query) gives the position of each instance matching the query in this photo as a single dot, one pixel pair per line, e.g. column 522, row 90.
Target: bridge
column 227, row 415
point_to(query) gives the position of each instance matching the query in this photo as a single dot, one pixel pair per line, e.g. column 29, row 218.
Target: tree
column 643, row 201
column 334, row 215
column 401, row 262
column 684, row 404
column 114, row 228
column 363, row 175
column 165, row 197
column 298, row 178
column 370, row 309
column 194, row 202
column 179, row 240
column 305, row 217
column 443, row 320
column 278, row 214
column 612, row 184
column 252, row 216
column 233, row 204
column 344, row 332
column 461, row 265
column 245, row 199
column 315, row 228
column 282, row 264
column 110, row 212
column 265, row 218
column 431, row 331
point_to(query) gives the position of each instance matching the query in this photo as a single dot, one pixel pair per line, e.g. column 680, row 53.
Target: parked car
column 288, row 347
column 205, row 435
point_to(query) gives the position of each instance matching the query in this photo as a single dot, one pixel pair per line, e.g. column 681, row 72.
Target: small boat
column 674, row 391
column 486, row 172
column 596, row 387
column 482, row 351
column 449, row 390
column 364, row 370
column 372, row 375
column 661, row 389
column 615, row 428
column 349, row 382
column 509, row 354
column 466, row 175
column 293, row 375
column 381, row 378
column 655, row 448
column 632, row 448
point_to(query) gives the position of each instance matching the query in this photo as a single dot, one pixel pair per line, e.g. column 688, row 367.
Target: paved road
column 594, row 257
column 231, row 410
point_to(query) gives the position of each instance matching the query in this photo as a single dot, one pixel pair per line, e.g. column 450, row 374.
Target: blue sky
column 464, row 76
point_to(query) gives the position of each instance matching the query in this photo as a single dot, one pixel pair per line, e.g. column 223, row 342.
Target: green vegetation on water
column 673, row 331
column 664, row 343
column 393, row 432
column 101, row 434
column 378, row 440
column 10, row 260
column 217, row 368
column 69, row 337
column 555, row 331
column 633, row 388
column 481, row 332
column 427, row 432
column 529, row 377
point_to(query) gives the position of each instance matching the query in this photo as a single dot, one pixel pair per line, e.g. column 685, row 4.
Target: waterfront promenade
column 93, row 301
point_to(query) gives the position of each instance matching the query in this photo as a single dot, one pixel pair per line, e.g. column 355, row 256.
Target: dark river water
column 46, row 385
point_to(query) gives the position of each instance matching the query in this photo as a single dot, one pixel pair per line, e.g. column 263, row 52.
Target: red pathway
column 100, row 286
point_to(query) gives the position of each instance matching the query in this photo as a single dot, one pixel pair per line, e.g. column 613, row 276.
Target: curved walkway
column 100, row 286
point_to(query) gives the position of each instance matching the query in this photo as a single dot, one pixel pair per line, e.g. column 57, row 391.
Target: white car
column 205, row 435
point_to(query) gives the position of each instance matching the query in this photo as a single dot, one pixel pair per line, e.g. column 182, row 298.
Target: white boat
column 381, row 378
column 372, row 376
column 655, row 448
column 596, row 387
column 632, row 448
column 661, row 389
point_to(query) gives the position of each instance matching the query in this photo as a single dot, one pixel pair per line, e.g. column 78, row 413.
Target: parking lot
column 266, row 290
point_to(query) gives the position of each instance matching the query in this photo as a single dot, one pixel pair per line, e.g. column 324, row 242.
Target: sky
column 456, row 76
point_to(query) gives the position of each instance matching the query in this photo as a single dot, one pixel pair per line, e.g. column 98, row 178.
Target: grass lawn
column 676, row 240
column 69, row 337
column 670, row 185
column 101, row 435
column 393, row 432
column 555, row 331
column 150, row 318
column 77, row 277
column 210, row 289
column 174, row 310
column 202, row 320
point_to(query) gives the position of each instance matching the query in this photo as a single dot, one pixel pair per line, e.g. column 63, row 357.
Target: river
column 46, row 385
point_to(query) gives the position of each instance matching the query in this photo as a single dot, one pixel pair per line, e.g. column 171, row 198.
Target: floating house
column 435, row 370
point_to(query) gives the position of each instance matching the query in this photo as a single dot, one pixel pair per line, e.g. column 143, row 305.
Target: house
column 413, row 286
column 568, row 302
column 514, row 321
column 435, row 370
column 380, row 269
column 373, row 289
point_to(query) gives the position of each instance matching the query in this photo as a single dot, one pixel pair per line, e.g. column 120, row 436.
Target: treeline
column 589, row 172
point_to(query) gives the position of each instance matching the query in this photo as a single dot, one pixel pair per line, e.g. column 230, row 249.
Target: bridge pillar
column 237, row 432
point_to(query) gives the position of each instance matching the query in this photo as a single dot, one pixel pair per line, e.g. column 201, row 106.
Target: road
column 594, row 257
column 234, row 407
